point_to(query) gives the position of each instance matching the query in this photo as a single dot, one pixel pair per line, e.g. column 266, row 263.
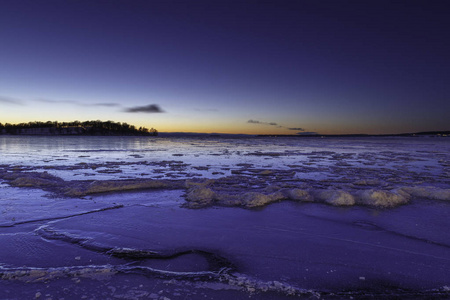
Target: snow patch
column 428, row 192
column 335, row 197
column 118, row 186
column 253, row 285
column 298, row 195
column 199, row 196
column 382, row 198
column 254, row 199
column 32, row 179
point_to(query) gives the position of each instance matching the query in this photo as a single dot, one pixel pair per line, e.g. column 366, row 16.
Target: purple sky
column 281, row 67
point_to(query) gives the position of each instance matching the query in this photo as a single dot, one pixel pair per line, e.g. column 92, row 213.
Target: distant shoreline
column 110, row 128
column 76, row 128
column 444, row 134
column 416, row 134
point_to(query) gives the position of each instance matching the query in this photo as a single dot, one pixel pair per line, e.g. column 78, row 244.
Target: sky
column 253, row 67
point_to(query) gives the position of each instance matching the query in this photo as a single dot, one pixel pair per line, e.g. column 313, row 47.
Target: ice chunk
column 382, row 198
column 109, row 185
column 336, row 197
column 298, row 195
column 428, row 192
column 32, row 179
column 193, row 183
column 199, row 196
column 117, row 186
column 254, row 199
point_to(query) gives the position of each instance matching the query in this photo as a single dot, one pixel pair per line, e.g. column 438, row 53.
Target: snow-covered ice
column 224, row 217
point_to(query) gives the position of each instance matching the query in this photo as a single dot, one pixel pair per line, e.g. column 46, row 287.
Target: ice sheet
column 134, row 217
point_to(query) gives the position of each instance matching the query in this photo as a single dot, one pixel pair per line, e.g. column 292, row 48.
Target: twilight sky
column 278, row 67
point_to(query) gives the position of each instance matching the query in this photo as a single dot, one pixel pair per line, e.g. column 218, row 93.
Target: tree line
column 76, row 128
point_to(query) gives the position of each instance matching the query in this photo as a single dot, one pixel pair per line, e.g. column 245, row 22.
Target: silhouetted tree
column 76, row 127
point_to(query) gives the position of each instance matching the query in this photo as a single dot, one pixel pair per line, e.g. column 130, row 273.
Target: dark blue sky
column 212, row 66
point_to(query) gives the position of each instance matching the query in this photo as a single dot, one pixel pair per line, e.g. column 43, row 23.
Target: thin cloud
column 151, row 108
column 106, row 104
column 277, row 125
column 206, row 109
column 71, row 102
column 9, row 100
column 57, row 101
column 307, row 133
column 262, row 123
column 297, row 129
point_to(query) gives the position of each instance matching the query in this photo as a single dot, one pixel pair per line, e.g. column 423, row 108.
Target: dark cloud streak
column 106, row 104
column 275, row 124
column 262, row 123
column 151, row 108
column 297, row 129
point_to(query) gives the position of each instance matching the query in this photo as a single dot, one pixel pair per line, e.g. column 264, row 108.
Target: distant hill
column 76, row 128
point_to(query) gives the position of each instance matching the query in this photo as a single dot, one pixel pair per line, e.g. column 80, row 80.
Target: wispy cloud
column 151, row 108
column 262, row 123
column 206, row 109
column 57, row 101
column 9, row 100
column 71, row 102
column 106, row 104
column 307, row 133
column 275, row 124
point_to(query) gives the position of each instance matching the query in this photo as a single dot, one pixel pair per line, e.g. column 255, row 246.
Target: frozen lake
column 224, row 218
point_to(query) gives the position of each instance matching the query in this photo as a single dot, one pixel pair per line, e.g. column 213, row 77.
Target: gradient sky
column 278, row 67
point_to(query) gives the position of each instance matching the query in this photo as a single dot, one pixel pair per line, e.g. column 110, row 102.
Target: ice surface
column 314, row 250
column 224, row 218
